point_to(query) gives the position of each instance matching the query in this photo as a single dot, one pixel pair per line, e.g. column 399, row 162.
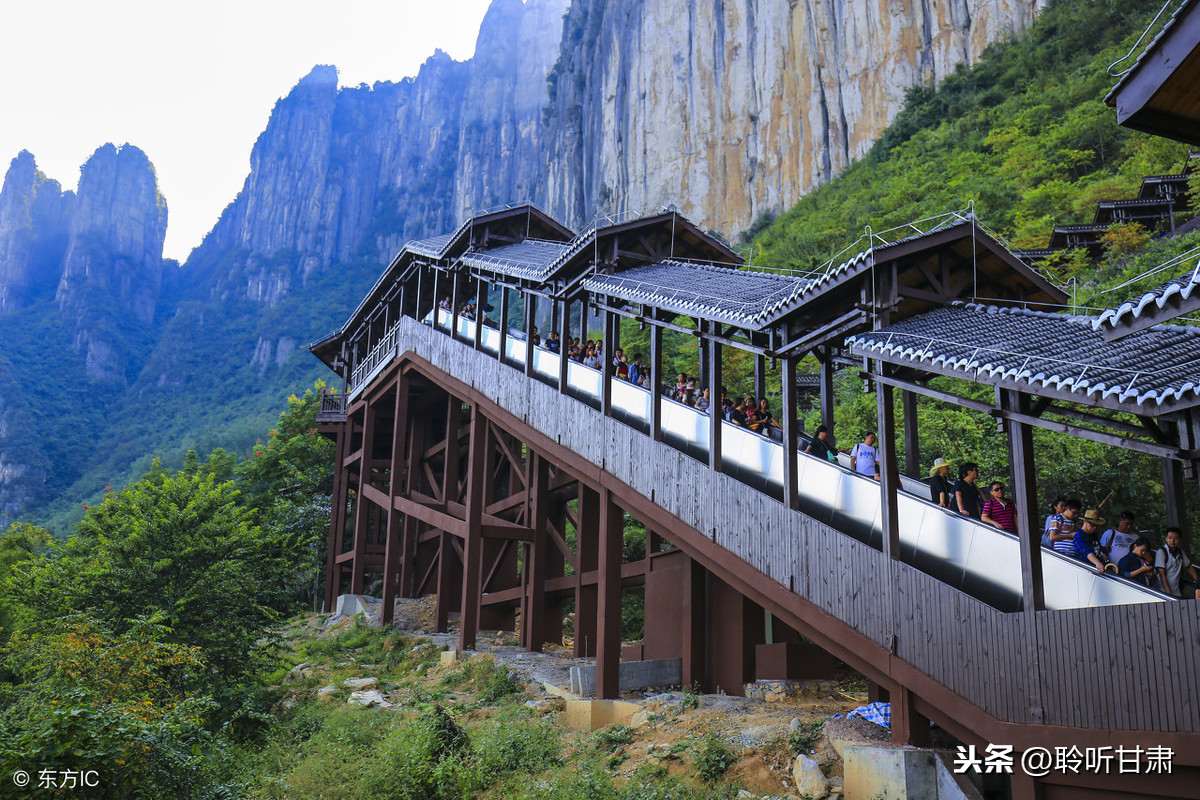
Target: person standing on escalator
column 967, row 498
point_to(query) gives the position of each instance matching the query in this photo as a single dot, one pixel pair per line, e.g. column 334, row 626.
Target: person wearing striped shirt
column 1000, row 511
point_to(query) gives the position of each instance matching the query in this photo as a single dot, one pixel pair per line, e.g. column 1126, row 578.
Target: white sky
column 193, row 83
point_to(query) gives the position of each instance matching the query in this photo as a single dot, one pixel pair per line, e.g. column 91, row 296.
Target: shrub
column 713, row 757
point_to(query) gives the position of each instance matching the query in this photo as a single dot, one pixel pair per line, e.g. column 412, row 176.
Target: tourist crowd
column 1082, row 536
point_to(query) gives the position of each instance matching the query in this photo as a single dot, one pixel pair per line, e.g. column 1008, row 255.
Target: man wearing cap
column 940, row 486
column 1086, row 541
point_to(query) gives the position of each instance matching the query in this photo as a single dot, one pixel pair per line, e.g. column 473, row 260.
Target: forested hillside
column 1025, row 139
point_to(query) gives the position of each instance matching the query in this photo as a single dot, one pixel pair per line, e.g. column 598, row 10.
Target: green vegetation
column 806, row 736
column 1024, row 135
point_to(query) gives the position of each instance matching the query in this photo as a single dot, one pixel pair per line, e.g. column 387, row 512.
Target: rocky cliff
column 727, row 109
column 33, row 233
column 733, row 108
column 350, row 173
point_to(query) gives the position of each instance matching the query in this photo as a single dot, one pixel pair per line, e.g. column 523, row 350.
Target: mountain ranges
column 730, row 110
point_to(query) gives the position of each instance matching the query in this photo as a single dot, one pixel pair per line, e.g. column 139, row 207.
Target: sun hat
column 941, row 462
column 1093, row 516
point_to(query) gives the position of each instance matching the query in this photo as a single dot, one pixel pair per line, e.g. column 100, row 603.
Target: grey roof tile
column 1045, row 350
column 1156, row 299
column 737, row 296
column 530, row 258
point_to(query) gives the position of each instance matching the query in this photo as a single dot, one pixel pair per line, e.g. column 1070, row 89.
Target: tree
column 288, row 481
column 178, row 545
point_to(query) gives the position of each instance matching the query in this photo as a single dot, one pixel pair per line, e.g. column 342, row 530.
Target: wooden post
column 437, row 301
column 695, row 627
column 503, row 354
column 1024, row 493
column 477, row 471
column 363, row 505
column 564, row 344
column 791, row 441
column 656, row 381
column 714, row 417
column 606, row 364
column 337, row 522
column 587, row 539
column 454, row 305
column 533, row 618
column 908, row 726
column 608, row 606
column 393, row 549
column 1173, row 496
column 827, row 391
column 760, row 376
column 530, row 300
column 446, row 571
column 702, row 351
column 912, row 441
column 480, row 302
column 888, row 470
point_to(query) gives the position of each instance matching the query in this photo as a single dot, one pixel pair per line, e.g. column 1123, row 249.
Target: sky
column 193, row 83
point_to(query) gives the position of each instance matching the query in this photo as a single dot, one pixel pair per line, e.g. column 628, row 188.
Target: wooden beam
column 819, row 336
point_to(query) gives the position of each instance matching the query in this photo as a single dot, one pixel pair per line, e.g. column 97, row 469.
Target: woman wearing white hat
column 940, row 486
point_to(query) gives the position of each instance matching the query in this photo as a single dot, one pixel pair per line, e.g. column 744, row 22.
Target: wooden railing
column 333, row 407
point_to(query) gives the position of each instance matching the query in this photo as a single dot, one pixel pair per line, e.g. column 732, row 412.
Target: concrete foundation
column 658, row 673
column 592, row 715
column 902, row 773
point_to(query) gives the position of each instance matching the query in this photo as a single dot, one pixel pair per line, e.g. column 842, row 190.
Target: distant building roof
column 1158, row 93
column 1045, row 353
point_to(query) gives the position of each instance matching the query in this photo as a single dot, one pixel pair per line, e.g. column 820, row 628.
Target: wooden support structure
column 608, row 604
column 888, row 471
column 656, row 384
column 714, row 418
column 912, row 439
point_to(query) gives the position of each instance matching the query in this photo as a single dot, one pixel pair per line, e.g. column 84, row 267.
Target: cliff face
column 355, row 172
column 112, row 270
column 732, row 108
column 33, row 233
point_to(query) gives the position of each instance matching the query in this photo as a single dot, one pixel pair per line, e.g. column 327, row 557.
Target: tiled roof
column 1042, row 350
column 736, row 296
column 1154, row 300
column 434, row 246
column 530, row 258
column 1150, row 48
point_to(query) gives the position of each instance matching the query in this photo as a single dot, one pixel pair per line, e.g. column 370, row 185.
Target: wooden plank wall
column 1119, row 668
